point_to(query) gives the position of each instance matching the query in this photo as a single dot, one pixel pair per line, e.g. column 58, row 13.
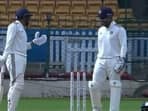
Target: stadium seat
column 16, row 2
column 81, row 21
column 92, row 20
column 53, row 22
column 3, row 6
column 3, row 9
column 4, row 21
column 132, row 26
column 144, row 26
column 93, row 7
column 14, row 5
column 12, row 9
column 65, row 21
column 111, row 3
column 11, row 16
column 35, row 19
column 62, row 7
column 33, row 6
column 46, row 7
column 125, row 13
column 78, row 7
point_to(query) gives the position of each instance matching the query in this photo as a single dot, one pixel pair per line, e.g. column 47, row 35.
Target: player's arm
column 123, row 42
column 10, row 37
column 98, row 33
column 120, row 65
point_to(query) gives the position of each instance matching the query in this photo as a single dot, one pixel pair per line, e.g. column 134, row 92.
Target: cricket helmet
column 20, row 13
column 104, row 12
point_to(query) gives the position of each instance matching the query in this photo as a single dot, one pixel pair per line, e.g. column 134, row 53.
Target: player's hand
column 40, row 40
column 120, row 65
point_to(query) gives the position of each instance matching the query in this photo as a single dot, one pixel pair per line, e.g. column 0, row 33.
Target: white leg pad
column 95, row 95
column 1, row 86
column 14, row 93
column 115, row 95
column 1, row 82
column 1, row 92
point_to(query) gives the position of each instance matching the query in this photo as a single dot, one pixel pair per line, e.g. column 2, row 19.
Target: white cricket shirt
column 112, row 41
column 16, row 40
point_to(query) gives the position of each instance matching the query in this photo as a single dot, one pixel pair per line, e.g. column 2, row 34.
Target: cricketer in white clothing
column 110, row 62
column 15, row 54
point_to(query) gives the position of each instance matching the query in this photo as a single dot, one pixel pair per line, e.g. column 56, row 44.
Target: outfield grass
column 62, row 104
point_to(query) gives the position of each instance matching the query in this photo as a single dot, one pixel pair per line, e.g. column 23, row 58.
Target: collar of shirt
column 20, row 24
column 112, row 24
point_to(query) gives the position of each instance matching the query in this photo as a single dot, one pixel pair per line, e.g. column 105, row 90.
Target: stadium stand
column 64, row 13
column 125, row 13
column 65, row 21
column 70, row 19
column 32, row 5
column 46, row 7
column 3, row 13
column 4, row 20
column 92, row 7
column 3, row 6
column 78, row 7
column 12, row 6
column 62, row 7
column 81, row 21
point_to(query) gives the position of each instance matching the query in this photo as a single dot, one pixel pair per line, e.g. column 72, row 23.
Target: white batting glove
column 120, row 65
column 36, row 35
column 40, row 40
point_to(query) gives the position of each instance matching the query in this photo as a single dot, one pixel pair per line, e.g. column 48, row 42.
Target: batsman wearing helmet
column 15, row 54
column 110, row 62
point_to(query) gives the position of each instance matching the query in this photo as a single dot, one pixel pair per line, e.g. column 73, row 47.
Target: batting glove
column 120, row 65
column 36, row 35
column 40, row 40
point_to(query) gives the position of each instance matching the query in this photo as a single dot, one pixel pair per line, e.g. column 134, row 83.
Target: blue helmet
column 20, row 13
column 104, row 12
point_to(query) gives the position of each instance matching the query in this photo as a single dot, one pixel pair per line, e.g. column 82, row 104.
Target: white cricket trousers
column 16, row 65
column 105, row 68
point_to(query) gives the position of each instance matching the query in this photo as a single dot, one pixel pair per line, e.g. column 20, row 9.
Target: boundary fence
column 75, row 50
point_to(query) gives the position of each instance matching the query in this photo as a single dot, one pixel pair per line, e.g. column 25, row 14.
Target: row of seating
column 57, row 6
column 64, row 13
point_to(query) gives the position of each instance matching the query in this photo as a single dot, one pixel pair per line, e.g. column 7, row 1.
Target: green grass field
column 62, row 104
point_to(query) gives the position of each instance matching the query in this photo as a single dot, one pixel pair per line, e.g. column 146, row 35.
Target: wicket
column 79, row 87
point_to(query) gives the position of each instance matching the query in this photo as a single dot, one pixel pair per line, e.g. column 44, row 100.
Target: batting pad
column 1, row 92
column 1, row 88
column 115, row 95
column 95, row 95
